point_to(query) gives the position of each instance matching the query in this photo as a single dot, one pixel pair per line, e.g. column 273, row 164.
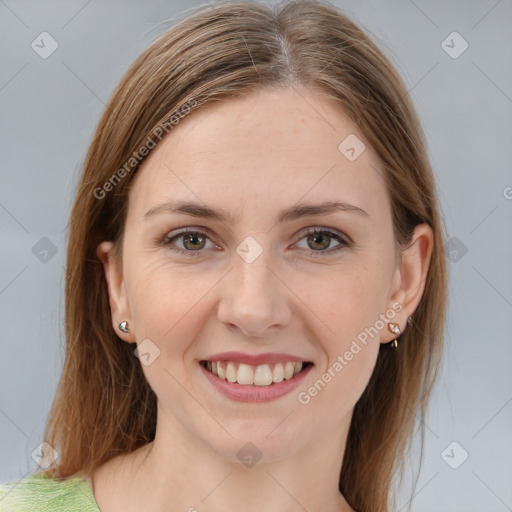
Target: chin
column 264, row 440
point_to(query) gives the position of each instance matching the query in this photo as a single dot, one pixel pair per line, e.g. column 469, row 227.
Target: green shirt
column 45, row 493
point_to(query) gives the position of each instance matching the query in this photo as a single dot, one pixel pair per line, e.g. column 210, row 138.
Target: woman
column 256, row 286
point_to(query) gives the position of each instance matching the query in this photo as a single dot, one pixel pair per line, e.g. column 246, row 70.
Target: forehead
column 270, row 146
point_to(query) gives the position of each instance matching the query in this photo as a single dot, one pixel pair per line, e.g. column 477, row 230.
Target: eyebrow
column 289, row 214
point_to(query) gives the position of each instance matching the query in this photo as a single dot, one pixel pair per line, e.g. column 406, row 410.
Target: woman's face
column 253, row 289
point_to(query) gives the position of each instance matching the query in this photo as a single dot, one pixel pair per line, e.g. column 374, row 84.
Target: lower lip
column 244, row 393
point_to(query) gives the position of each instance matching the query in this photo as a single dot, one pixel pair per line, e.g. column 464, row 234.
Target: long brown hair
column 104, row 406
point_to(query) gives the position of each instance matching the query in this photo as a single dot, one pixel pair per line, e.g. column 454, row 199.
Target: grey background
column 49, row 108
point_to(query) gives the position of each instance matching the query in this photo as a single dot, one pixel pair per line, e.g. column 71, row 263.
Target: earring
column 395, row 329
column 123, row 326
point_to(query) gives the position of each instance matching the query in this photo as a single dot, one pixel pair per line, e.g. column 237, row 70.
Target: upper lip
column 266, row 358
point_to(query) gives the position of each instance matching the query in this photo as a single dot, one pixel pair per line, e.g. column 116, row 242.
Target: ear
column 409, row 279
column 118, row 298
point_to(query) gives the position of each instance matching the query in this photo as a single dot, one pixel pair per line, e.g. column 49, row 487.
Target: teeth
column 278, row 373
column 245, row 374
column 261, row 375
column 288, row 370
column 231, row 372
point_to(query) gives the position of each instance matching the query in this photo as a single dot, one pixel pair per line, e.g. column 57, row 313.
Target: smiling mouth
column 255, row 375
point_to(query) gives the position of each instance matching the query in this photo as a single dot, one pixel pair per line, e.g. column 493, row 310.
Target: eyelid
column 325, row 230
column 188, row 229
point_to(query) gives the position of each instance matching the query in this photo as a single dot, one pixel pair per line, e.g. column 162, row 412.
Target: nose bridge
column 253, row 298
column 253, row 276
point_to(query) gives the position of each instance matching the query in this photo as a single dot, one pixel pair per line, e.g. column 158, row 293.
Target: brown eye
column 188, row 242
column 194, row 241
column 319, row 241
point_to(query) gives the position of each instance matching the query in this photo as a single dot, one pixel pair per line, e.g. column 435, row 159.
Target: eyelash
column 167, row 241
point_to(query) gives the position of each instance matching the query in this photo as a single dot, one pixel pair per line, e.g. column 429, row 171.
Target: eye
column 321, row 239
column 193, row 242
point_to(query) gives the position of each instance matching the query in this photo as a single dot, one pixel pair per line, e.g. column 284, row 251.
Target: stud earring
column 123, row 327
column 395, row 329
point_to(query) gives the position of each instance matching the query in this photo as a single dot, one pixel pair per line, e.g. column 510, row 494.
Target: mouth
column 261, row 375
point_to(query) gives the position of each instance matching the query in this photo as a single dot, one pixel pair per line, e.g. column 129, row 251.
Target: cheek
column 167, row 303
column 338, row 387
column 347, row 302
column 349, row 305
column 170, row 308
column 340, row 381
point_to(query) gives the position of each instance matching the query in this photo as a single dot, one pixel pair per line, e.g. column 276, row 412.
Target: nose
column 254, row 297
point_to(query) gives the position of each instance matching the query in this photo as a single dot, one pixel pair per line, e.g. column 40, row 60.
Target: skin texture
column 253, row 157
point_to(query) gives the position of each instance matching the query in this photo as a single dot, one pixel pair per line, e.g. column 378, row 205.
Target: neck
column 177, row 472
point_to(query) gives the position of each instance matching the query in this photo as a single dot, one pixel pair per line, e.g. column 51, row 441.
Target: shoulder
column 44, row 492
